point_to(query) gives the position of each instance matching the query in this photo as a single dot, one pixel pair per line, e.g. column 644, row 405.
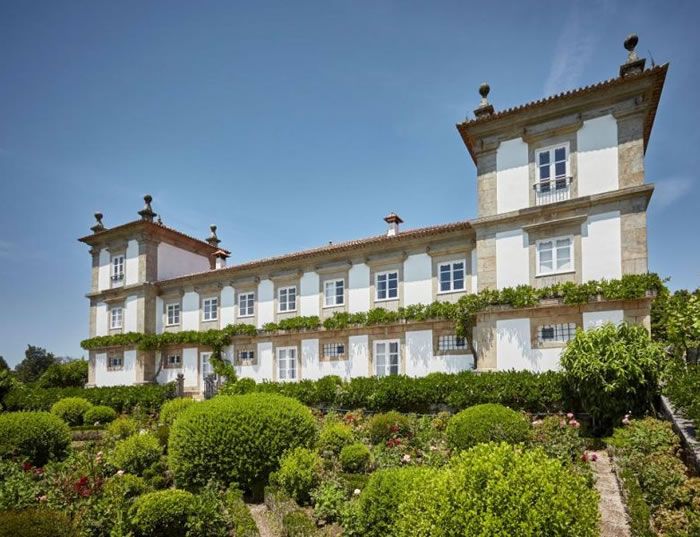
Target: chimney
column 393, row 220
column 220, row 259
column 634, row 64
column 147, row 212
column 485, row 108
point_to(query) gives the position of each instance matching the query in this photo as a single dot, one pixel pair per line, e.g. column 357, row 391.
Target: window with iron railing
column 553, row 180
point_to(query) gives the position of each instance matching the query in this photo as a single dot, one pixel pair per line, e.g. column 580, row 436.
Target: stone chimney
column 147, row 212
column 485, row 108
column 220, row 257
column 634, row 64
column 393, row 220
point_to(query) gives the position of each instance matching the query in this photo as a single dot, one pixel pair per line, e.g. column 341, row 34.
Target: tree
column 36, row 361
column 3, row 364
column 65, row 374
column 676, row 322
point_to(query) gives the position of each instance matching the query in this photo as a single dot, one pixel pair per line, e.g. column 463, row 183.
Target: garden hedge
column 37, row 436
column 35, row 523
column 163, row 513
column 172, row 409
column 486, row 423
column 101, row 414
column 237, row 439
column 136, row 453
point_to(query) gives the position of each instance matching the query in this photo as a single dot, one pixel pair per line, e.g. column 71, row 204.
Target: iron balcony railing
column 552, row 190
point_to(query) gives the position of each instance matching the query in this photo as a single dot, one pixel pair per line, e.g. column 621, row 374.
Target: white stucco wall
column 601, row 247
column 418, row 283
column 227, row 306
column 310, row 365
column 512, row 258
column 266, row 302
column 119, row 377
column 359, row 355
column 358, row 288
column 308, row 294
column 103, row 272
column 159, row 315
column 512, row 176
column 597, row 156
column 421, row 361
column 190, row 311
column 131, row 263
column 190, row 367
column 101, row 319
column 262, row 370
column 514, row 349
column 596, row 319
column 168, row 374
column 174, row 261
column 130, row 322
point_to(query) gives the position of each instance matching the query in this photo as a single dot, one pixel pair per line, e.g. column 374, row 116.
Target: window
column 206, row 367
column 287, row 299
column 116, row 316
column 451, row 276
column 173, row 314
column 387, row 285
column 555, row 256
column 246, row 304
column 558, row 333
column 173, row 360
column 333, row 292
column 286, row 363
column 117, row 268
column 386, row 357
column 115, row 361
column 552, row 168
column 452, row 343
column 211, row 309
column 333, row 351
column 247, row 355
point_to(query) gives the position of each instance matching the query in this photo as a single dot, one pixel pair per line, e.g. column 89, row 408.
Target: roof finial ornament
column 213, row 239
column 147, row 212
column 99, row 226
column 484, row 108
column 634, row 64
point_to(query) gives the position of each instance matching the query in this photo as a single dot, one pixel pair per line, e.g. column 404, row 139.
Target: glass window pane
column 544, row 173
column 544, row 157
column 560, row 169
column 559, row 154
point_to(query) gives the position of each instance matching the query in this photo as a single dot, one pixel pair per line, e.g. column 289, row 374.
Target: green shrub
column 298, row 473
column 486, row 423
column 499, row 489
column 122, row 427
column 136, row 453
column 683, row 389
column 18, row 489
column 298, row 523
column 328, row 500
column 172, row 409
column 73, row 373
column 559, row 438
column 612, row 370
column 237, row 439
column 99, row 414
column 334, row 437
column 125, row 486
column 35, row 523
column 644, row 437
column 385, row 426
column 209, row 518
column 373, row 514
column 71, row 409
column 163, row 513
column 240, row 519
column 355, row 458
column 36, row 436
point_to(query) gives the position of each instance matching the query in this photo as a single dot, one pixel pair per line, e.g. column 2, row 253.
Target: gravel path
column 259, row 514
column 613, row 517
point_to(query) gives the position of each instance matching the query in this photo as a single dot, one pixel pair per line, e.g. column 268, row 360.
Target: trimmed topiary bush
column 298, row 523
column 486, row 423
column 172, row 409
column 36, row 436
column 237, row 439
column 355, row 458
column 163, row 513
column 122, row 427
column 384, row 426
column 99, row 414
column 298, row 473
column 136, row 453
column 71, row 409
column 499, row 489
column 334, row 437
column 35, row 523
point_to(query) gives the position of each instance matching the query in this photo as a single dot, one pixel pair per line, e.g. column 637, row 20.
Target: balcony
column 552, row 190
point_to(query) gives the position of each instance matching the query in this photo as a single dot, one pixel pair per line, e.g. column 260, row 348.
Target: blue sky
column 291, row 124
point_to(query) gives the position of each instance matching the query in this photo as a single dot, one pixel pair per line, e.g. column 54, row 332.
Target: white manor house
column 561, row 197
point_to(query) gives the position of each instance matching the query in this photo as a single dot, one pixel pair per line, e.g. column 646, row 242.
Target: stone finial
column 99, row 226
column 634, row 64
column 484, row 108
column 147, row 212
column 213, row 239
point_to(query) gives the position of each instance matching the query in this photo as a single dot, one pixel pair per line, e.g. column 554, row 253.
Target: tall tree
column 36, row 361
column 3, row 364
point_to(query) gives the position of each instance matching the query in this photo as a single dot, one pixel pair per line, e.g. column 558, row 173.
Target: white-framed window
column 451, row 276
column 286, row 363
column 452, row 343
column 287, row 299
column 116, row 316
column 556, row 333
column 555, row 255
column 387, row 285
column 206, row 368
column 115, row 361
column 247, row 355
column 246, row 304
column 210, row 307
column 334, row 293
column 173, row 360
column 552, row 168
column 333, row 350
column 387, row 357
column 172, row 314
column 117, row 268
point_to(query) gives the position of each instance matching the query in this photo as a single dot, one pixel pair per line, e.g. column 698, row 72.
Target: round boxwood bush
column 163, row 513
column 355, row 458
column 298, row 523
column 136, row 453
column 500, row 489
column 384, row 426
column 35, row 523
column 237, row 439
column 298, row 473
column 71, row 409
column 334, row 437
column 99, row 414
column 36, row 436
column 486, row 423
column 122, row 427
column 172, row 409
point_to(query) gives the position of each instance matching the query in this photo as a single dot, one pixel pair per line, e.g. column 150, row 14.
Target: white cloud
column 670, row 190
